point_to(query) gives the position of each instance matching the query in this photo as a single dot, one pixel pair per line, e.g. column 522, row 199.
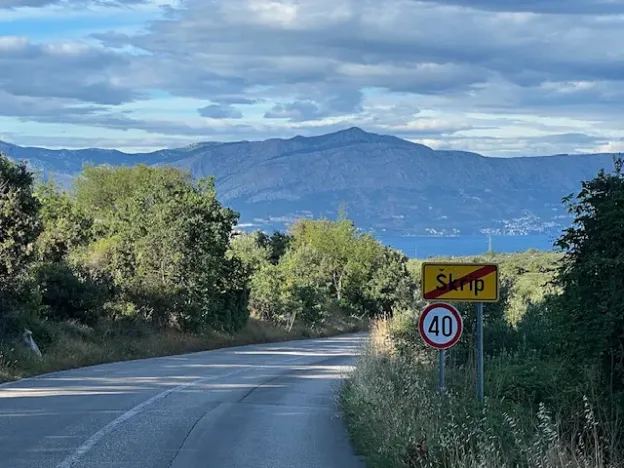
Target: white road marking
column 99, row 435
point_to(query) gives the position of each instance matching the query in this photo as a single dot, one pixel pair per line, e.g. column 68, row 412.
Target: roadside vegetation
column 142, row 261
column 554, row 369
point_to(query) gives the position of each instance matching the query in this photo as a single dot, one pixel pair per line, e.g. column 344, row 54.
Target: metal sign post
column 462, row 282
column 480, row 352
column 441, row 359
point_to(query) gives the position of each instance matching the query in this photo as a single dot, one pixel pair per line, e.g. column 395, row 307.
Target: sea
column 421, row 247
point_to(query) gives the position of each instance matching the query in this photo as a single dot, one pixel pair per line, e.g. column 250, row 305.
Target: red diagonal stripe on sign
column 480, row 273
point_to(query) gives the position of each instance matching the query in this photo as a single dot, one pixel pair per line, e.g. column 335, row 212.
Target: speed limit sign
column 440, row 325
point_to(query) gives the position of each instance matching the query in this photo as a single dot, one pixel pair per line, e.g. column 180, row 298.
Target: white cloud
column 611, row 147
column 494, row 76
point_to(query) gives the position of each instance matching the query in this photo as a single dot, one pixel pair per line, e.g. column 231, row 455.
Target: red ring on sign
column 454, row 312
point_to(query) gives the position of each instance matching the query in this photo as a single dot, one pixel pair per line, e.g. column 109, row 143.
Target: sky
column 498, row 77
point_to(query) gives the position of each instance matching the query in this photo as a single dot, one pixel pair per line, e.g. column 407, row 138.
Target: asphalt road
column 261, row 406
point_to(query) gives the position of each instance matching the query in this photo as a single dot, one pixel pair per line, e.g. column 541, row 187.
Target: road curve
column 260, row 406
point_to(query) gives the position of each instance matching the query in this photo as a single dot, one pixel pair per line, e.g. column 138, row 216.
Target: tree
column 66, row 226
column 19, row 218
column 19, row 228
column 391, row 285
column 253, row 252
column 307, row 285
column 365, row 258
column 334, row 241
column 267, row 293
column 165, row 238
column 589, row 314
column 279, row 243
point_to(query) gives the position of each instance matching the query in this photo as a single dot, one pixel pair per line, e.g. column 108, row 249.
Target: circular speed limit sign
column 440, row 325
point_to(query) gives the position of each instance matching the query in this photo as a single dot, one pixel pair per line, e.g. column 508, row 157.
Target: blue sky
column 499, row 77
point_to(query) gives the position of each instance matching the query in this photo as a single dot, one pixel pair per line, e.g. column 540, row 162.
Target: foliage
column 356, row 271
column 267, row 293
column 276, row 244
column 66, row 226
column 160, row 231
column 335, row 242
column 19, row 218
column 589, row 314
column 67, row 293
column 253, row 254
column 19, row 228
column 149, row 248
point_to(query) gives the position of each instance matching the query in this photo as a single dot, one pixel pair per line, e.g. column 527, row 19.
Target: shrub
column 68, row 293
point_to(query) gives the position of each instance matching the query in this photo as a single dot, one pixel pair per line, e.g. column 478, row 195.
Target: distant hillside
column 389, row 185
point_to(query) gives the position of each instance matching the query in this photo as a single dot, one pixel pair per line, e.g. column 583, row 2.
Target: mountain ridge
column 390, row 185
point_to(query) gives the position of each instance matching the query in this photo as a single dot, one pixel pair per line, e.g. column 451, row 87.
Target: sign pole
column 442, row 355
column 480, row 352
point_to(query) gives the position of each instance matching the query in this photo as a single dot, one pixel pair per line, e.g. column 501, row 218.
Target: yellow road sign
column 460, row 282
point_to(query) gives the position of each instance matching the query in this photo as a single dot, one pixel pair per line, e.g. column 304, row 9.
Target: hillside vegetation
column 145, row 261
column 554, row 345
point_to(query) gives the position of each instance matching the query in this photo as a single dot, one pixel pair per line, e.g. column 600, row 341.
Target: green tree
column 165, row 238
column 70, row 293
column 253, row 252
column 279, row 243
column 334, row 241
column 363, row 263
column 307, row 284
column 66, row 226
column 590, row 312
column 19, row 218
column 19, row 227
column 391, row 285
column 267, row 296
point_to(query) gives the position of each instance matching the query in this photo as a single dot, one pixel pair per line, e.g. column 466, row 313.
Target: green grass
column 70, row 346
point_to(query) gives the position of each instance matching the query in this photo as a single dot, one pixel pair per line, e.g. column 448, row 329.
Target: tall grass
column 397, row 419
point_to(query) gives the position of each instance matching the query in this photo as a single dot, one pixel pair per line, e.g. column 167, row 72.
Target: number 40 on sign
column 440, row 325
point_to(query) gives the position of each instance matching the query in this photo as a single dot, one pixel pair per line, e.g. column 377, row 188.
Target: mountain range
column 390, row 186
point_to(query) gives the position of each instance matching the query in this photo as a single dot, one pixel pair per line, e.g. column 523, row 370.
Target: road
column 260, row 406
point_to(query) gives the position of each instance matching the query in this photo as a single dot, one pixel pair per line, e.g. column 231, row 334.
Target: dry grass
column 397, row 419
column 75, row 346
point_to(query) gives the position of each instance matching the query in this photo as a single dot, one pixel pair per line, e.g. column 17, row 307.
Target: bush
column 19, row 219
column 589, row 314
column 266, row 296
column 68, row 293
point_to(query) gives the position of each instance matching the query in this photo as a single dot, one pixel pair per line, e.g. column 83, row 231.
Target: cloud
column 71, row 70
column 611, row 147
column 563, row 143
column 227, row 100
column 73, row 112
column 29, row 108
column 397, row 45
column 11, row 4
column 419, row 69
column 558, row 7
column 220, row 111
column 297, row 111
column 321, row 103
column 124, row 122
